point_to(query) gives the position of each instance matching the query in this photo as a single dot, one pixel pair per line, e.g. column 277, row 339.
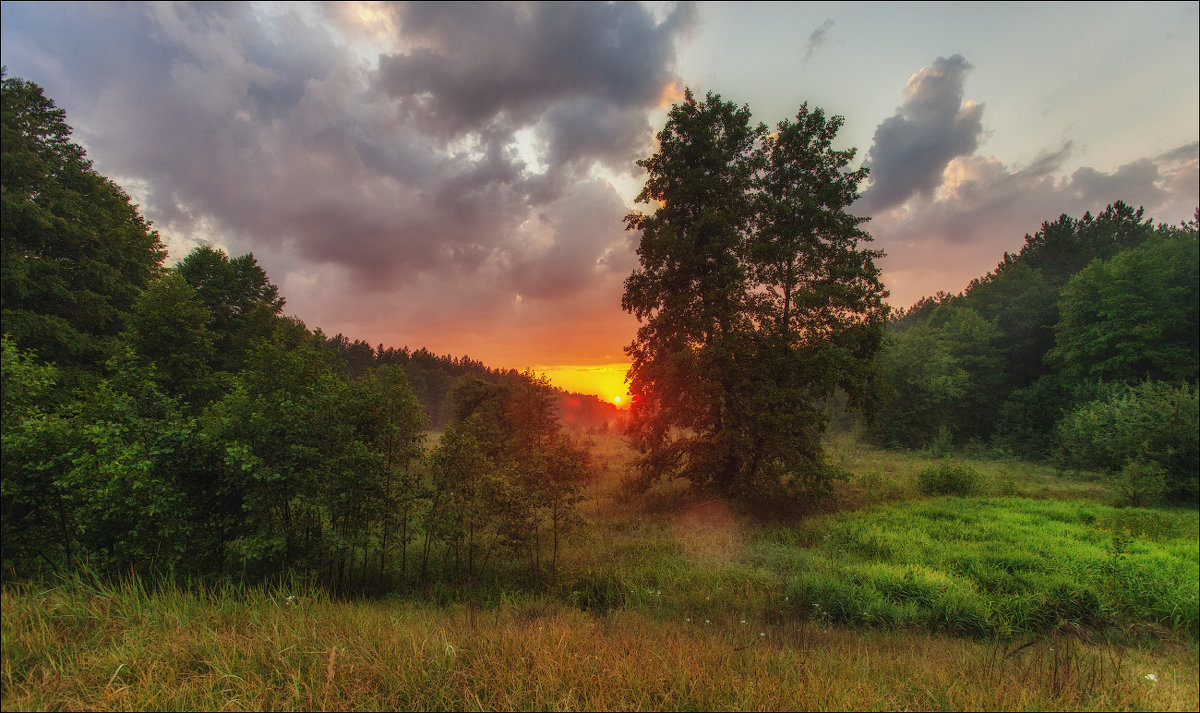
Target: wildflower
column 689, row 618
column 1151, row 678
column 761, row 633
column 706, row 622
column 291, row 599
column 743, row 621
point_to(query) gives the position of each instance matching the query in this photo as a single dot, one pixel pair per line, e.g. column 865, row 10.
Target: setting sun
column 607, row 381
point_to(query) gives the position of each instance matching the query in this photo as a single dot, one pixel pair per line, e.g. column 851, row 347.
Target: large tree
column 76, row 252
column 755, row 298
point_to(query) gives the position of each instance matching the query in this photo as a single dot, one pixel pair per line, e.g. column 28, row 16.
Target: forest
column 173, row 442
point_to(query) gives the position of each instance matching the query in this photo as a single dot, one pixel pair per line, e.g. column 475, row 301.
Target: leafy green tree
column 558, row 488
column 287, row 446
column 1062, row 248
column 755, row 299
column 242, row 303
column 466, row 498
column 922, row 384
column 534, row 473
column 1026, row 420
column 391, row 423
column 169, row 327
column 1134, row 316
column 1024, row 308
column 76, row 253
column 690, row 291
column 128, row 506
column 94, row 475
column 973, row 342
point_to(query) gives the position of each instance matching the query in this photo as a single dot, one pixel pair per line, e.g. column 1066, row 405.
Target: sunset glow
column 607, row 381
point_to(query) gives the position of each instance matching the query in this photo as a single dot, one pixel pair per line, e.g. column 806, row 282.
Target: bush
column 1141, row 483
column 1151, row 424
column 948, row 478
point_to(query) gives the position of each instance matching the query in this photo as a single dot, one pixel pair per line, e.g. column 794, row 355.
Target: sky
column 454, row 176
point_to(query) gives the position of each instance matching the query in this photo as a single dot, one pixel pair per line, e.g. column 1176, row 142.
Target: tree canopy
column 76, row 253
column 755, row 298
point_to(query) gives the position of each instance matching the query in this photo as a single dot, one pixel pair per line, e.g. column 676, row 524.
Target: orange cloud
column 671, row 92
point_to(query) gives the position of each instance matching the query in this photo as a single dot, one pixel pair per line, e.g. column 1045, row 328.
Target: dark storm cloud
column 588, row 128
column 817, row 38
column 476, row 65
column 583, row 73
column 392, row 173
column 931, row 128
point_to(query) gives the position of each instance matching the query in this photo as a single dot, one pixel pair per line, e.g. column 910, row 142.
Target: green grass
column 881, row 475
column 995, row 567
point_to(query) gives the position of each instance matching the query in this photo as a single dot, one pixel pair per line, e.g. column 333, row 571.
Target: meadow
column 1036, row 591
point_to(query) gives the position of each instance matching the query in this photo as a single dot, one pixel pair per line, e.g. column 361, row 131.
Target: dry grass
column 79, row 647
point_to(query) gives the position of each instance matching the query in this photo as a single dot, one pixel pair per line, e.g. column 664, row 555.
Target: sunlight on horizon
column 606, row 381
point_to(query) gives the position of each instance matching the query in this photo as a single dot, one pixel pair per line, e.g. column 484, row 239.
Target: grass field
column 1037, row 593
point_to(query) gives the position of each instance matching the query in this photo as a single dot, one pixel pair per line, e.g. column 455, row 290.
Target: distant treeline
column 1082, row 348
column 433, row 378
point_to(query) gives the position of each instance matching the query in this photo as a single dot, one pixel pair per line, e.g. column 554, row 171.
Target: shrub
column 948, row 478
column 1141, row 483
column 1153, row 423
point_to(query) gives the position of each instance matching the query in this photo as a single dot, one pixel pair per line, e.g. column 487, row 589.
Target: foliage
column 1108, row 297
column 503, row 474
column 1151, row 425
column 168, row 327
column 1135, row 316
column 1141, row 484
column 34, row 522
column 76, row 253
column 1061, row 248
column 1026, row 420
column 755, row 300
column 945, row 374
column 949, row 478
column 94, row 477
column 242, row 303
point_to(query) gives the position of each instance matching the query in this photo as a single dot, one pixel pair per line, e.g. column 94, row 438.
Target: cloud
column 984, row 208
column 944, row 214
column 493, row 69
column 817, row 38
column 388, row 164
column 934, row 125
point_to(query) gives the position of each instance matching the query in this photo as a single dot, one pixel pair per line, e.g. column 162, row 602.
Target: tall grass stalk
column 78, row 645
